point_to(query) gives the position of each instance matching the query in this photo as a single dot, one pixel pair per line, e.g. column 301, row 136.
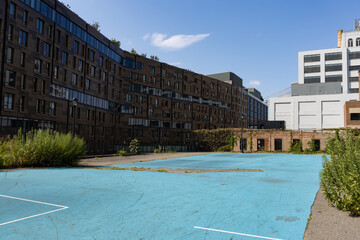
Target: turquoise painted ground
column 113, row 204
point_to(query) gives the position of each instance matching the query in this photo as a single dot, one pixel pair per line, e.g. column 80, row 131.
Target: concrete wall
column 270, row 135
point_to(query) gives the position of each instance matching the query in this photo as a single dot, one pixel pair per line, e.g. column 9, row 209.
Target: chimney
column 340, row 32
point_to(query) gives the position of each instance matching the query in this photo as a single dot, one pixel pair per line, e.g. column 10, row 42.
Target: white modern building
column 326, row 79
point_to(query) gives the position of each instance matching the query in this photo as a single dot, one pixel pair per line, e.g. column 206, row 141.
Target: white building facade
column 326, row 79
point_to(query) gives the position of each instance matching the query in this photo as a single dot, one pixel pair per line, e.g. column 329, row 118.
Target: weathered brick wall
column 287, row 137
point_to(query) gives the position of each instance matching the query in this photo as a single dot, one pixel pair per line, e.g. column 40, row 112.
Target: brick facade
column 50, row 55
column 286, row 136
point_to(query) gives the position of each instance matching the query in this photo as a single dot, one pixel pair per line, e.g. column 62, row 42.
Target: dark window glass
column 260, row 144
column 12, row 10
column 25, row 18
column 312, row 58
column 312, row 69
column 354, row 55
column 278, row 145
column 333, row 56
column 40, row 26
column 46, row 50
column 333, row 67
column 10, row 54
column 23, row 38
column 353, row 90
column 138, row 65
column 10, row 32
column 128, row 63
column 313, row 79
column 333, row 78
column 10, row 78
column 58, row 36
column 9, row 101
column 356, row 67
column 64, row 58
column 76, row 46
column 353, row 79
column 355, row 116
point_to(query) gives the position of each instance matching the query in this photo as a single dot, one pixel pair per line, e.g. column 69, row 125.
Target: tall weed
column 41, row 148
column 340, row 177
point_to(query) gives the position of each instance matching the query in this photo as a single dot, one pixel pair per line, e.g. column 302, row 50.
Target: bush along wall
column 340, row 177
column 42, row 148
column 223, row 139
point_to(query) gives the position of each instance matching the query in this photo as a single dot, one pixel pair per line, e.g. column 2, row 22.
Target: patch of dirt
column 179, row 170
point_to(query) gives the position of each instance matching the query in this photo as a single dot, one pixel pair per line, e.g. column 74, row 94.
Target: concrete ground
column 326, row 222
column 330, row 223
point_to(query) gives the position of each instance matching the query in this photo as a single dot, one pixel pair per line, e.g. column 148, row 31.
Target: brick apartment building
column 51, row 56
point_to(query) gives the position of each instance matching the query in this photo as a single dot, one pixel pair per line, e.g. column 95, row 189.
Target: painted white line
column 36, row 215
column 248, row 162
column 242, row 234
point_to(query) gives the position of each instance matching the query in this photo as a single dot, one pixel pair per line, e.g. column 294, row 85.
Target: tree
column 133, row 52
column 153, row 57
column 96, row 25
column 143, row 54
column 116, row 42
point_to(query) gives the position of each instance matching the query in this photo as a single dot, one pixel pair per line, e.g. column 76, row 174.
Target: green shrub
column 226, row 148
column 296, row 147
column 122, row 153
column 157, row 150
column 134, row 146
column 340, row 177
column 41, row 148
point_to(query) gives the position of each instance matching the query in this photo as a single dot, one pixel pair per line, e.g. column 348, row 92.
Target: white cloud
column 146, row 36
column 254, row 83
column 175, row 42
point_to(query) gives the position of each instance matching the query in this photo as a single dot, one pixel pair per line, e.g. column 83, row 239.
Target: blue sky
column 256, row 39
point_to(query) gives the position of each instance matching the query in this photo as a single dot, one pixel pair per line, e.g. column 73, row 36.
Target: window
column 350, row 42
column 37, row 44
column 65, row 75
column 9, row 101
column 37, row 65
column 76, row 46
column 101, row 61
column 21, row 103
column 49, row 31
column 23, row 82
column 355, row 116
column 46, row 49
column 354, row 55
column 128, row 97
column 12, row 10
column 58, row 36
column 333, row 67
column 43, row 103
column 43, row 86
column 64, row 58
column 152, row 69
column 138, row 65
column 92, row 55
column 40, row 26
column 56, row 72
column 35, row 85
column 74, row 79
column 260, row 144
column 92, row 71
column 22, row 59
column 333, row 56
column 10, row 78
column 87, row 84
column 80, row 65
column 358, row 42
column 312, row 58
column 278, row 145
column 52, row 109
column 10, row 55
column 23, row 38
column 151, row 112
column 37, row 106
column 312, row 69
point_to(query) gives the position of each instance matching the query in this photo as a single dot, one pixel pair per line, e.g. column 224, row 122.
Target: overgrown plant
column 340, row 177
column 122, row 153
column 215, row 138
column 251, row 141
column 134, row 146
column 42, row 148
